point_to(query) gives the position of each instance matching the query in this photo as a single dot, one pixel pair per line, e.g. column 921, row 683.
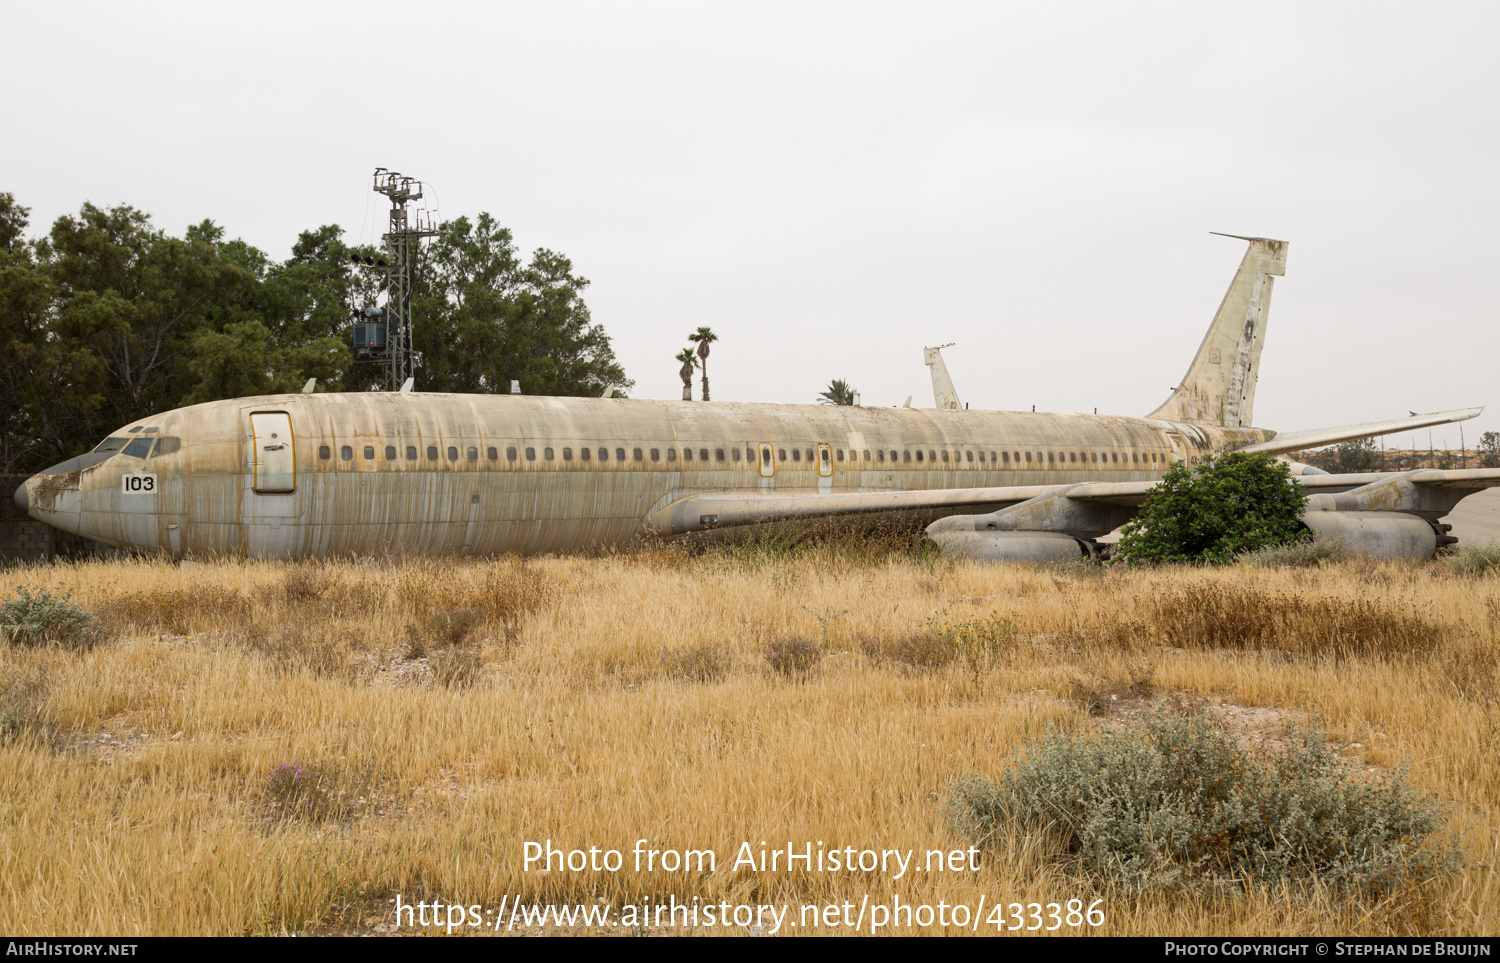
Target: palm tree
column 838, row 393
column 689, row 362
column 704, row 336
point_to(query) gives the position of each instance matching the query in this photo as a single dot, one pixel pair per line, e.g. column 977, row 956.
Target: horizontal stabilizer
column 1298, row 440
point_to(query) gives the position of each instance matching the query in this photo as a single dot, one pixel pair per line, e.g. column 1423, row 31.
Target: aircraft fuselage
column 450, row 474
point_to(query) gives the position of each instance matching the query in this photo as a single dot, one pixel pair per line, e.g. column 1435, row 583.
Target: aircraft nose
column 21, row 499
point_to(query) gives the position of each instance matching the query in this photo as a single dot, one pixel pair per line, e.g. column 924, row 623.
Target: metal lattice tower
column 400, row 245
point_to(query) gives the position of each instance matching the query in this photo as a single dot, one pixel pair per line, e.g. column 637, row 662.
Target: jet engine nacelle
column 1377, row 534
column 986, row 546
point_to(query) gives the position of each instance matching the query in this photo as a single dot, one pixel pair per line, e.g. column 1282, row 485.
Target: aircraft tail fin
column 943, row 392
column 1219, row 387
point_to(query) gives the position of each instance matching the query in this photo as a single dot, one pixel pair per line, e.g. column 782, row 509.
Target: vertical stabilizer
column 943, row 392
column 1219, row 387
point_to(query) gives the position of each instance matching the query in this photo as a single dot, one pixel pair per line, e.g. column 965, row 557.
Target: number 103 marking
column 138, row 484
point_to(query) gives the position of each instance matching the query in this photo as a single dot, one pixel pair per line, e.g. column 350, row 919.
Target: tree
column 1489, row 447
column 704, row 337
column 107, row 320
column 483, row 317
column 689, row 362
column 1226, row 506
column 838, row 393
column 1352, row 456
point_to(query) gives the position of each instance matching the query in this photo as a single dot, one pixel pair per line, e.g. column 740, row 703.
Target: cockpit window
column 111, row 444
column 166, row 445
column 138, row 447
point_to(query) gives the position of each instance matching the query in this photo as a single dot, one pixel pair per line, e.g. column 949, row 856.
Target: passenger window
column 809, row 454
column 369, row 453
column 867, row 455
column 345, row 452
column 1114, row 456
column 510, row 454
column 656, row 454
column 796, row 454
column 880, row 455
column 323, row 452
column 703, row 454
column 841, row 454
column 734, row 453
column 919, row 456
column 932, row 456
column 411, row 452
column 749, row 454
column 687, row 454
column 452, row 453
column 765, row 455
column 473, row 454
column 718, row 454
column 639, row 455
column 781, row 453
column 604, row 454
column 671, row 454
column 1028, row 458
column 531, row 454
column 390, row 452
column 619, row 454
column 547, row 453
column 431, row 453
column 945, row 454
column 906, row 456
column 583, row 454
column 567, row 454
column 1005, row 456
column 970, row 457
column 492, row 453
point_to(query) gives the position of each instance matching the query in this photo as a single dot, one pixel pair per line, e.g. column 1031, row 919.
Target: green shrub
column 41, row 618
column 704, row 663
column 1175, row 802
column 1215, row 512
column 794, row 657
column 1304, row 553
column 1474, row 558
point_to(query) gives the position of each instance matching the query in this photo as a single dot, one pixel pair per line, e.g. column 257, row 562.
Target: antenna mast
column 400, row 246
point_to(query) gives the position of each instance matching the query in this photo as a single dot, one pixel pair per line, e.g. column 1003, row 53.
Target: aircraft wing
column 1086, row 510
column 1299, row 440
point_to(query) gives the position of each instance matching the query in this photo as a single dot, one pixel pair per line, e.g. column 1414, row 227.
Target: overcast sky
column 833, row 186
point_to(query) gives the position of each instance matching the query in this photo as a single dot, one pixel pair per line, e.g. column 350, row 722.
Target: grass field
column 443, row 713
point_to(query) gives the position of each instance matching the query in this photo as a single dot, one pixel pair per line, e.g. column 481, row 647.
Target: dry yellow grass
column 135, row 803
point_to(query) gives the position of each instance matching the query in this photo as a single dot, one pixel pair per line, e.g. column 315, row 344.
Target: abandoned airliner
column 412, row 473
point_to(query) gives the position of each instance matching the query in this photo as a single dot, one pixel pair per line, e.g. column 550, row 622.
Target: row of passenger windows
column 471, row 453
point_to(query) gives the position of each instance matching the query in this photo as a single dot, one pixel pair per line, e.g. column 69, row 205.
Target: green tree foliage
column 485, row 318
column 1359, row 455
column 107, row 319
column 1489, row 449
column 838, row 393
column 1225, row 506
